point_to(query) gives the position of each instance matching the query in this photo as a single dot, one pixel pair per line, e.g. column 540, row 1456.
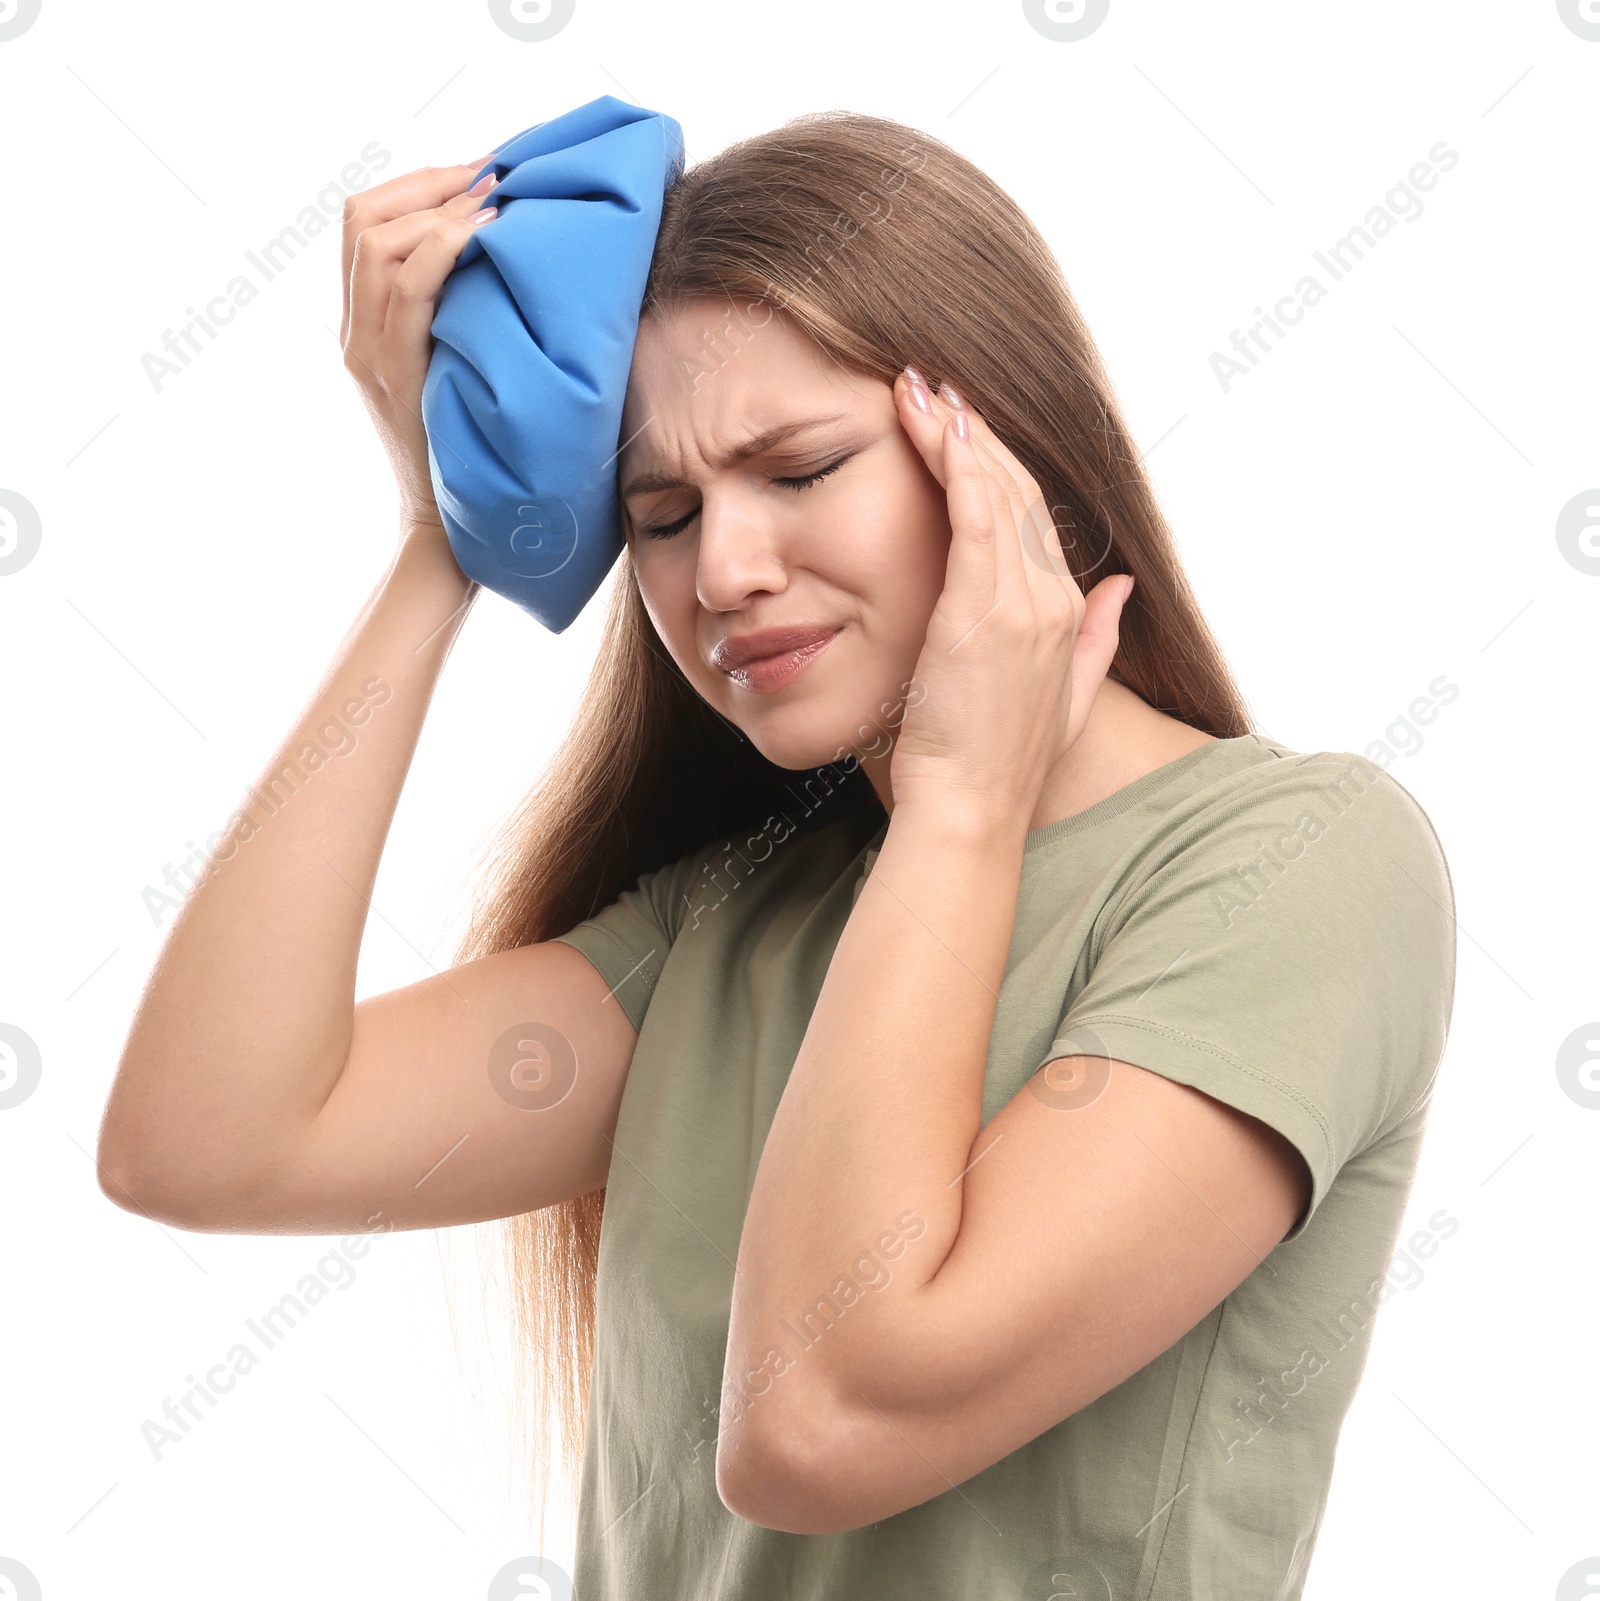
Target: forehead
column 708, row 372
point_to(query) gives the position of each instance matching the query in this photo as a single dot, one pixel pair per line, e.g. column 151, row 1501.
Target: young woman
column 1002, row 1070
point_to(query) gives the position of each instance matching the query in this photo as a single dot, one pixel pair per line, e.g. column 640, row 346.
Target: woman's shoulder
column 1335, row 784
column 1250, row 811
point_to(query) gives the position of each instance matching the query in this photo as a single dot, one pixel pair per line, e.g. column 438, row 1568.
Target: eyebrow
column 756, row 445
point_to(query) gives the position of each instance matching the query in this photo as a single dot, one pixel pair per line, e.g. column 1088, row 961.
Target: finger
column 1008, row 471
column 979, row 533
column 382, row 248
column 1007, row 508
column 396, row 364
column 1036, row 527
column 1044, row 561
column 990, row 444
column 914, row 404
column 408, row 320
column 1011, row 580
column 923, row 414
column 1099, row 634
column 421, row 190
column 410, row 191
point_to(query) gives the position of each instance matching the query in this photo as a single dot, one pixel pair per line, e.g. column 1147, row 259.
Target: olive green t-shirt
column 1275, row 929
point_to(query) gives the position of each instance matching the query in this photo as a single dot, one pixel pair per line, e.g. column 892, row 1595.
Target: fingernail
column 483, row 216
column 961, row 425
column 913, row 375
column 482, row 161
column 953, row 395
column 484, row 184
column 921, row 399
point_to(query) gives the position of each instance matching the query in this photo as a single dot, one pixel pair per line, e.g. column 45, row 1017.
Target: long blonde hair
column 887, row 246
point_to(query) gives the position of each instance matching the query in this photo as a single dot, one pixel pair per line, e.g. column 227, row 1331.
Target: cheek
column 901, row 548
column 668, row 593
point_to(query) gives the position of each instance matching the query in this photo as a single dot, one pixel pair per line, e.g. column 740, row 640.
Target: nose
column 740, row 553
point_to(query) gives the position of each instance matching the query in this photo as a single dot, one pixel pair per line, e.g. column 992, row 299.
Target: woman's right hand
column 401, row 240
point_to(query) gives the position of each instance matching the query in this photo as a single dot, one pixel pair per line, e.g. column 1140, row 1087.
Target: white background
column 1373, row 506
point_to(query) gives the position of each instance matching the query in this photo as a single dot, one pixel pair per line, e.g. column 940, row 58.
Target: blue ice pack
column 534, row 336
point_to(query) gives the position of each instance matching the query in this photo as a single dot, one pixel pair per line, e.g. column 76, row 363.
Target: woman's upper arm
column 484, row 1091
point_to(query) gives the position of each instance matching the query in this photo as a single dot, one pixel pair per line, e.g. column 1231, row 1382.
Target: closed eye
column 667, row 530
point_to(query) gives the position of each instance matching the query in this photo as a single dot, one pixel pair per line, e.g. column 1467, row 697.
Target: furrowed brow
column 756, row 445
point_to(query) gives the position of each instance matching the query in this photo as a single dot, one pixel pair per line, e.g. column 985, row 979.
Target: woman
column 911, row 921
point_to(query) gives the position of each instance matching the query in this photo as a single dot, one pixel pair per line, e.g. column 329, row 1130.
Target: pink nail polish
column 483, row 216
column 961, row 425
column 913, row 375
column 953, row 395
column 921, row 399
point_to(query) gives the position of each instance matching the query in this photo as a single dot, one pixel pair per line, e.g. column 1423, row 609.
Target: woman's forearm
column 246, row 1019
column 879, row 1117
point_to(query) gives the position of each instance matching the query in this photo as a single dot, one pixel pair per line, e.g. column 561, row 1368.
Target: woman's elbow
column 788, row 1479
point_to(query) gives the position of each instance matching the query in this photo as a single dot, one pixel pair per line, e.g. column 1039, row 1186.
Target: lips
column 765, row 643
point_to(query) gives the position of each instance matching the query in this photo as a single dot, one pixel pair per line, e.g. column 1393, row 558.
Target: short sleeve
column 1290, row 952
column 627, row 942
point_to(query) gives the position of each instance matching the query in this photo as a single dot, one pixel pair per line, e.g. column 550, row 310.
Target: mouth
column 762, row 675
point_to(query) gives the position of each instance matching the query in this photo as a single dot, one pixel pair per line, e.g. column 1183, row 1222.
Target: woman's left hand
column 1014, row 653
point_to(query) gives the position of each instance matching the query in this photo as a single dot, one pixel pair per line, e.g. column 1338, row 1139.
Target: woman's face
column 859, row 553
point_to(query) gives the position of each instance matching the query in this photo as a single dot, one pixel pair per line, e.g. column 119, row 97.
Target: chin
column 801, row 738
column 794, row 752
